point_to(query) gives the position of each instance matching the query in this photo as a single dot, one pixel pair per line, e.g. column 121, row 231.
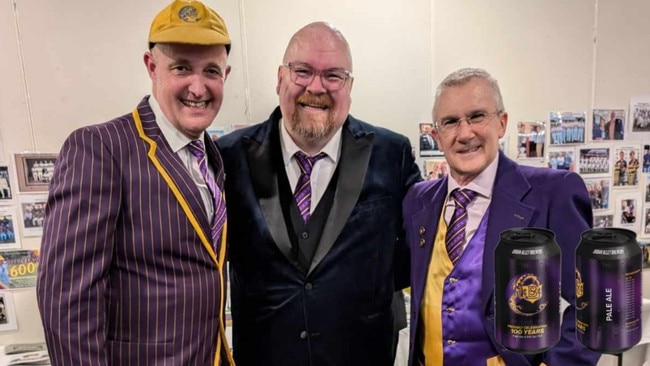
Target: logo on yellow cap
column 189, row 14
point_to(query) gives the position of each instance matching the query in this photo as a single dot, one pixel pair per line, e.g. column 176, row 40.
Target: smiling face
column 187, row 82
column 471, row 148
column 312, row 114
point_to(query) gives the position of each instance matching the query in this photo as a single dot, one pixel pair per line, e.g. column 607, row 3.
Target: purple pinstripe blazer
column 128, row 274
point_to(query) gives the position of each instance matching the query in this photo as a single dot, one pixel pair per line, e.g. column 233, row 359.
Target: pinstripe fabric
column 124, row 277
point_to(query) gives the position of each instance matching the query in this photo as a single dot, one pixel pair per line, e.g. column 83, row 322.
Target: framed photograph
column 435, row 169
column 626, row 166
column 645, row 227
column 606, row 220
column 561, row 158
column 645, row 249
column 628, row 211
column 9, row 237
column 7, row 312
column 639, row 128
column 594, row 161
column 531, row 139
column 599, row 191
column 646, row 158
column 217, row 132
column 34, row 171
column 567, row 127
column 5, row 185
column 32, row 211
column 609, row 124
column 428, row 145
column 646, row 187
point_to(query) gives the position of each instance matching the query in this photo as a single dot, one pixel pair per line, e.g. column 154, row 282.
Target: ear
column 277, row 87
column 225, row 77
column 436, row 137
column 503, row 123
column 150, row 64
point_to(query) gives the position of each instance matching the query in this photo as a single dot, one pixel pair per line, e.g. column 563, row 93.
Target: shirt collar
column 289, row 147
column 482, row 184
column 174, row 137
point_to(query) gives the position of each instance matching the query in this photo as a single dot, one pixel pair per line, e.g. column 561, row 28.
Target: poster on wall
column 599, row 193
column 32, row 211
column 5, row 185
column 594, row 161
column 561, row 158
column 626, row 167
column 567, row 127
column 608, row 124
column 639, row 128
column 628, row 211
column 605, row 220
column 7, row 312
column 34, row 171
column 531, row 138
column 9, row 237
column 428, row 145
column 18, row 268
column 435, row 169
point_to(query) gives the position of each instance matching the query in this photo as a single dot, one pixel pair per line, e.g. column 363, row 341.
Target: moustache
column 323, row 100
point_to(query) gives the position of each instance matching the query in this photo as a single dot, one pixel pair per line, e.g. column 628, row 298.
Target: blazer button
column 450, row 342
column 422, row 230
column 308, row 286
column 303, row 335
column 422, row 242
column 304, row 235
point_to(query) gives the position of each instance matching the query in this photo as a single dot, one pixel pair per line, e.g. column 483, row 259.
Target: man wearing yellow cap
column 133, row 246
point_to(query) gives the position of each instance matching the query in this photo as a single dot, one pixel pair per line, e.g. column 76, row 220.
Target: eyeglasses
column 303, row 75
column 451, row 125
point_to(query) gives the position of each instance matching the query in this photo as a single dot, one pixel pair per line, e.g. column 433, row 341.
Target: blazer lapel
column 356, row 146
column 174, row 172
column 507, row 211
column 262, row 150
column 425, row 223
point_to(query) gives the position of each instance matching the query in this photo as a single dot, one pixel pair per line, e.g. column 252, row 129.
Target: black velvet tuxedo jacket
column 339, row 311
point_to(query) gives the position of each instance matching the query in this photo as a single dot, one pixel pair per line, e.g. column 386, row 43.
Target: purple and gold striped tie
column 302, row 194
column 197, row 149
column 456, row 229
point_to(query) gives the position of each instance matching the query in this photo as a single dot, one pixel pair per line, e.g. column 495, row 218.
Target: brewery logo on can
column 527, row 290
column 608, row 290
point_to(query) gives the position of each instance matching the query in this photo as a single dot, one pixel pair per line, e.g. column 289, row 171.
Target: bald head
column 318, row 33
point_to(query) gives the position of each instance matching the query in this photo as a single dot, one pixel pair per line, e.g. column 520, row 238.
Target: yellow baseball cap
column 191, row 22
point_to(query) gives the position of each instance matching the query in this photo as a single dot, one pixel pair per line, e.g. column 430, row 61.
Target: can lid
column 609, row 235
column 528, row 235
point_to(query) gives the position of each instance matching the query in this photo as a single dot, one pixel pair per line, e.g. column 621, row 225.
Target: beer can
column 608, row 290
column 527, row 274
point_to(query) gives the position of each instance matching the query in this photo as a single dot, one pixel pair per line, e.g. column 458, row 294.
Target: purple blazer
column 522, row 197
column 128, row 274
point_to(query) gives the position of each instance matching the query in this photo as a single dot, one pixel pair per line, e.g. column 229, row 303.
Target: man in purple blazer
column 452, row 299
column 132, row 260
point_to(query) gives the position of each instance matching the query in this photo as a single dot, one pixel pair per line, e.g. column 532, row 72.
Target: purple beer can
column 608, row 290
column 527, row 276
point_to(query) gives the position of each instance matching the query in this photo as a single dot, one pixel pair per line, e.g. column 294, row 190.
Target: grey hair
column 462, row 77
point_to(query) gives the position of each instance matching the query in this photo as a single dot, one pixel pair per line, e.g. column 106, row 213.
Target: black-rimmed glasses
column 303, row 75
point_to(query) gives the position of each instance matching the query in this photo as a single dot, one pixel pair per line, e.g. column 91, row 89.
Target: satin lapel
column 353, row 164
column 507, row 211
column 174, row 174
column 264, row 174
column 425, row 224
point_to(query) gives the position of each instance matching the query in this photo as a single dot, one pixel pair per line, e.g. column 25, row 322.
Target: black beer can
column 527, row 275
column 608, row 290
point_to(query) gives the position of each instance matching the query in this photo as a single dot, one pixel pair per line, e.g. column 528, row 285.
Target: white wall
column 71, row 63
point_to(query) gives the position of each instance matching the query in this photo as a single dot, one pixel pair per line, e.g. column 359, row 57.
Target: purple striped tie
column 302, row 194
column 197, row 149
column 456, row 229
